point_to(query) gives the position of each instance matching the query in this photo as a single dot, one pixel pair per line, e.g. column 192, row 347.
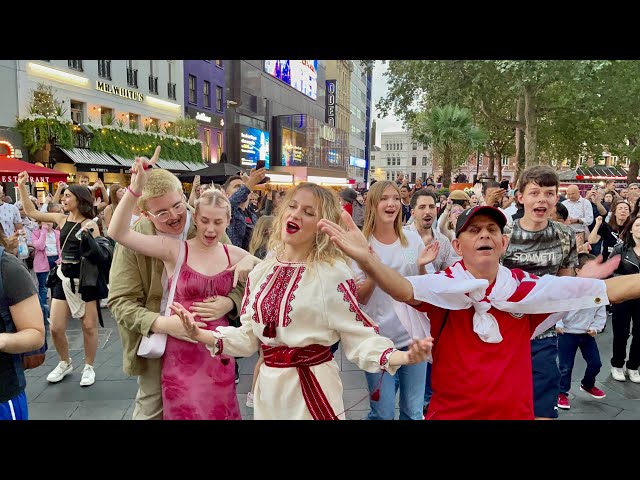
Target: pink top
column 39, row 240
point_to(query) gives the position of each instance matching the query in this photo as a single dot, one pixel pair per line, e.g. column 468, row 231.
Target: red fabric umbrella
column 11, row 167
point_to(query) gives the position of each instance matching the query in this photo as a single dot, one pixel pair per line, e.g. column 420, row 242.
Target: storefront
column 586, row 177
column 210, row 132
column 310, row 150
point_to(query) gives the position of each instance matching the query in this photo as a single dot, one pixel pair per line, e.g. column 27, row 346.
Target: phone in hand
column 260, row 164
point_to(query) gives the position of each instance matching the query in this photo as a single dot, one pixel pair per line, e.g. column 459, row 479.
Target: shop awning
column 195, row 166
column 11, row 167
column 89, row 157
column 172, row 165
column 125, row 162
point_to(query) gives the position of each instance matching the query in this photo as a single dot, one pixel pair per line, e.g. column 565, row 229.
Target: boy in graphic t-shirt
column 541, row 246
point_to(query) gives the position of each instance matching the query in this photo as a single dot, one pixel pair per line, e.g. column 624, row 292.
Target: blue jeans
column 546, row 376
column 568, row 344
column 42, row 295
column 411, row 381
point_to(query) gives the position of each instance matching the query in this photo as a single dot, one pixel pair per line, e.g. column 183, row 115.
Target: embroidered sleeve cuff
column 384, row 358
column 218, row 347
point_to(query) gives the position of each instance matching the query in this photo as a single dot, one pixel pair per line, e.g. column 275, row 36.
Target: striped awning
column 172, row 165
column 125, row 162
column 84, row 156
column 193, row 166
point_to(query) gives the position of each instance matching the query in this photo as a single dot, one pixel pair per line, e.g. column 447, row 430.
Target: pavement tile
column 52, row 411
column 101, row 410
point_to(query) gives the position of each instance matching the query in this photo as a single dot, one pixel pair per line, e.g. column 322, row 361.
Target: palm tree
column 450, row 130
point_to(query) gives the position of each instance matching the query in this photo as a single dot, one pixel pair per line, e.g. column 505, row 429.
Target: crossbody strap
column 67, row 237
column 174, row 279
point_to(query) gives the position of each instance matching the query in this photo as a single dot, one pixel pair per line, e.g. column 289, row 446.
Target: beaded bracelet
column 137, row 195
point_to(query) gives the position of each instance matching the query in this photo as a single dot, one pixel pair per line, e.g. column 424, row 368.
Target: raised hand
column 189, row 324
column 255, row 177
column 22, row 179
column 350, row 240
column 140, row 171
column 429, row 254
column 597, row 269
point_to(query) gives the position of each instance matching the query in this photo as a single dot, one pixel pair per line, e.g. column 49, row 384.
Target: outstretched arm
column 156, row 246
column 623, row 287
column 28, row 206
column 352, row 242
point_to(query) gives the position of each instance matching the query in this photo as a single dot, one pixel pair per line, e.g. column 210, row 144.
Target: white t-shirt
column 50, row 246
column 9, row 216
column 403, row 260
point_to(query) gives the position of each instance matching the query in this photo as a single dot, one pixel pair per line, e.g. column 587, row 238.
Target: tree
column 450, row 130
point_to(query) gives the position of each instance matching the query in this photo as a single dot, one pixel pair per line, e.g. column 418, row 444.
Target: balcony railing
column 132, row 77
column 76, row 65
column 153, row 84
column 171, row 90
column 104, row 69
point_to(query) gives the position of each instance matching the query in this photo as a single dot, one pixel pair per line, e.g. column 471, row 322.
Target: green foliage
column 38, row 132
column 128, row 145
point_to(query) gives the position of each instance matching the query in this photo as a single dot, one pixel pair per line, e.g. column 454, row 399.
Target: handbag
column 153, row 346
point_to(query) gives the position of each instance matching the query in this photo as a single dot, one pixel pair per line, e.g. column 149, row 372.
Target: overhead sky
column 379, row 89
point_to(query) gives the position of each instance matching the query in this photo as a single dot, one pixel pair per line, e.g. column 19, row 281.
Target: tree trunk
column 520, row 158
column 499, row 163
column 446, row 166
column 490, row 168
column 632, row 174
column 531, row 128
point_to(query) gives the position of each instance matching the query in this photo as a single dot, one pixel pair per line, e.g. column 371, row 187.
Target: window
column 388, row 161
column 134, row 121
column 424, row 161
column 77, row 111
column 613, row 160
column 218, row 63
column 371, row 168
column 171, row 90
column 206, row 145
column 413, row 161
column 75, row 65
column 219, row 138
column 413, row 177
column 153, row 84
column 132, row 75
column 582, row 159
column 388, row 176
column 625, row 161
column 106, row 116
column 218, row 98
column 104, row 69
column 373, row 158
column 192, row 89
column 154, row 124
column 206, row 94
column 415, row 146
column 505, row 160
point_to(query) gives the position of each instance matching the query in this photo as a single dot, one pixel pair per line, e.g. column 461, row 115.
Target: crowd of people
column 461, row 303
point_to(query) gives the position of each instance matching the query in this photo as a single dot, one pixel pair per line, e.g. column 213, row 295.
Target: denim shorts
column 546, row 376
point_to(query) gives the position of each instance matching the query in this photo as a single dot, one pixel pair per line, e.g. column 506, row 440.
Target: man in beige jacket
column 138, row 284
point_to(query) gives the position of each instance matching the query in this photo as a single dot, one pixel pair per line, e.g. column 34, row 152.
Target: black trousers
column 626, row 319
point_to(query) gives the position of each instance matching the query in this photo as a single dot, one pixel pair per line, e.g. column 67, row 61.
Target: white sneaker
column 88, row 376
column 250, row 400
column 62, row 370
column 634, row 376
column 618, row 374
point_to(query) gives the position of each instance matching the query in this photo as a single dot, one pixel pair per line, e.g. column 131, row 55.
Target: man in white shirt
column 9, row 216
column 580, row 211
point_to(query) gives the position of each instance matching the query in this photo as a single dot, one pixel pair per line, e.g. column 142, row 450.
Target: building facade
column 135, row 95
column 360, row 101
column 10, row 140
column 400, row 154
column 204, row 101
column 276, row 109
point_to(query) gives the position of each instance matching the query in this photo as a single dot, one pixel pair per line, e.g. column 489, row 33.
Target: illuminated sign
column 203, row 117
column 328, row 133
column 119, row 91
column 330, row 112
column 14, row 179
column 357, row 162
column 254, row 146
column 300, row 74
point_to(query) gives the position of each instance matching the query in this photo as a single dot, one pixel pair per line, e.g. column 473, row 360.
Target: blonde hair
column 373, row 198
column 260, row 236
column 160, row 183
column 215, row 197
column 328, row 207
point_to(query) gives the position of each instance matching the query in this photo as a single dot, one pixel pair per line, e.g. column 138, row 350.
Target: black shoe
column 237, row 374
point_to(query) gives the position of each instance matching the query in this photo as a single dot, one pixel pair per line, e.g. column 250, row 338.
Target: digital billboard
column 254, row 146
column 357, row 162
column 300, row 74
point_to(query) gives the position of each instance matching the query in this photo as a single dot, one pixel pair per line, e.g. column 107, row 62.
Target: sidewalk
column 112, row 396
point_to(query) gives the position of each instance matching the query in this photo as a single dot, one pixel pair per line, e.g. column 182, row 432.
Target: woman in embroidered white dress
column 296, row 305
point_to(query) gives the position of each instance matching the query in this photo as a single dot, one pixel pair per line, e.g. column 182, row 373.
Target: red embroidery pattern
column 384, row 358
column 348, row 295
column 245, row 302
column 279, row 285
column 219, row 346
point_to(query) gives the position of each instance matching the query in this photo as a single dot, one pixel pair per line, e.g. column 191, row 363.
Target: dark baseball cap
column 465, row 217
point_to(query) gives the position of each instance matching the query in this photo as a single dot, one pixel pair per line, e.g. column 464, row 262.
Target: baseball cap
column 465, row 217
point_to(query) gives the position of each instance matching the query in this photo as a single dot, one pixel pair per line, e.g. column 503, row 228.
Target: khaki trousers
column 149, row 397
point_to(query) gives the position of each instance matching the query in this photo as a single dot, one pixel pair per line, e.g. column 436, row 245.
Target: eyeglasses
column 165, row 215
